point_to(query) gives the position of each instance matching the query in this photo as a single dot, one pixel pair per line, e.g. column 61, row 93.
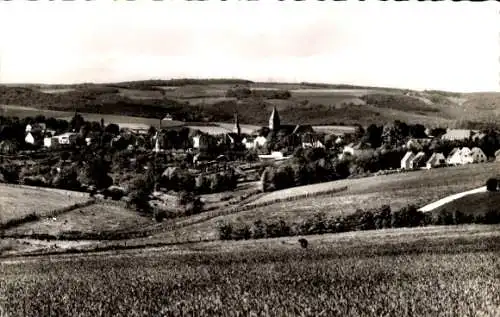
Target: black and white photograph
column 249, row 158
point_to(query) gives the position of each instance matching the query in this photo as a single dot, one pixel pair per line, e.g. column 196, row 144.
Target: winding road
column 450, row 198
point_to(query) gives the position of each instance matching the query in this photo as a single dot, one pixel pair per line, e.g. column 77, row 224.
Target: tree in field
column 373, row 135
column 492, row 184
column 139, row 194
column 97, row 173
column 112, row 128
column 76, row 122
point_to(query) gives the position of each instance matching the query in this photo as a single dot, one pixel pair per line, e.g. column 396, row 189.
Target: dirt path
column 450, row 198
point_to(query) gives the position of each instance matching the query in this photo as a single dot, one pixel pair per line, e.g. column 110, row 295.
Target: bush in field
column 225, row 231
column 259, row 230
column 492, row 216
column 382, row 217
column 241, row 232
column 160, row 215
column 139, row 194
column 67, row 179
column 492, row 184
column 191, row 204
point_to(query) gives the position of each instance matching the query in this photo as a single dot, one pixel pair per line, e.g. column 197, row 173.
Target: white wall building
column 478, row 155
column 405, row 161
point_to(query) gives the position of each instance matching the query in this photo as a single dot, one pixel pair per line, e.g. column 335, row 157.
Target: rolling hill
column 205, row 100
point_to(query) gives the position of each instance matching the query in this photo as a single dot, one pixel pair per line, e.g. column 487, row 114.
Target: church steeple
column 274, row 120
column 237, row 128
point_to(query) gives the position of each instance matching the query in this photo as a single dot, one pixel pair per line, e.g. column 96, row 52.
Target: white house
column 275, row 155
column 436, row 160
column 196, row 141
column 418, row 160
column 405, row 161
column 460, row 156
column 29, row 138
column 478, row 155
column 35, row 126
column 457, row 134
column 50, row 142
column 314, row 144
column 249, row 142
column 67, row 138
column 357, row 149
column 259, row 141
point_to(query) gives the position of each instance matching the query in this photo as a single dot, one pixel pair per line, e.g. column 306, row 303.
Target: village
column 395, row 147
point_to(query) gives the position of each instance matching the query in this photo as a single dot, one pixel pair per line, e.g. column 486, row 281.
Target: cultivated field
column 97, row 218
column 20, row 201
column 415, row 272
column 21, row 112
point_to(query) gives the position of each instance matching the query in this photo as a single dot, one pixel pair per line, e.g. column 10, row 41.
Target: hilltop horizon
column 319, row 85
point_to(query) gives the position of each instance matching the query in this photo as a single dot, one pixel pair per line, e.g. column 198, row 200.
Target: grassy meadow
column 95, row 218
column 20, row 201
column 474, row 204
column 415, row 272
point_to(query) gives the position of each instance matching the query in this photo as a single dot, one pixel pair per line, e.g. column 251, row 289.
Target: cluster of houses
column 38, row 133
column 458, row 156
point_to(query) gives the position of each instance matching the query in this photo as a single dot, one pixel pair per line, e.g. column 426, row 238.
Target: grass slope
column 91, row 219
column 474, row 204
column 445, row 273
column 396, row 190
column 19, row 201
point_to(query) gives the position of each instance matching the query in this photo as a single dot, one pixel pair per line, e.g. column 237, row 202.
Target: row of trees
column 243, row 92
column 373, row 219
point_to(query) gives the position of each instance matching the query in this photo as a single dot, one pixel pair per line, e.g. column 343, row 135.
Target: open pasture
column 91, row 219
column 415, row 272
column 474, row 204
column 20, row 201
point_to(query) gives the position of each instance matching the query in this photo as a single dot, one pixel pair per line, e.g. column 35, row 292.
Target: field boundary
column 47, row 189
column 53, row 213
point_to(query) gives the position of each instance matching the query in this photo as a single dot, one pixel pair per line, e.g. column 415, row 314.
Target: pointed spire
column 237, row 128
column 274, row 120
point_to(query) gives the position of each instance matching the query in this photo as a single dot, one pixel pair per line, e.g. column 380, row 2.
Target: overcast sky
column 445, row 45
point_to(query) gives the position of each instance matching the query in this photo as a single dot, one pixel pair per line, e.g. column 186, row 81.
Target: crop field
column 214, row 130
column 334, row 129
column 245, row 128
column 438, row 275
column 21, row 112
column 91, row 219
column 17, row 202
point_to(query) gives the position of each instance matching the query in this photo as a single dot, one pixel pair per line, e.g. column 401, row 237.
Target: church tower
column 237, row 128
column 274, row 120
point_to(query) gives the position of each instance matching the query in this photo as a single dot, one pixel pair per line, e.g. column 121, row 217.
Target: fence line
column 48, row 189
column 174, row 223
column 53, row 213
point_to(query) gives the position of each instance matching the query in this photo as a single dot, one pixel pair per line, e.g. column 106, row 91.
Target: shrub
column 303, row 243
column 225, row 231
column 492, row 216
column 492, row 184
column 160, row 215
column 241, row 233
